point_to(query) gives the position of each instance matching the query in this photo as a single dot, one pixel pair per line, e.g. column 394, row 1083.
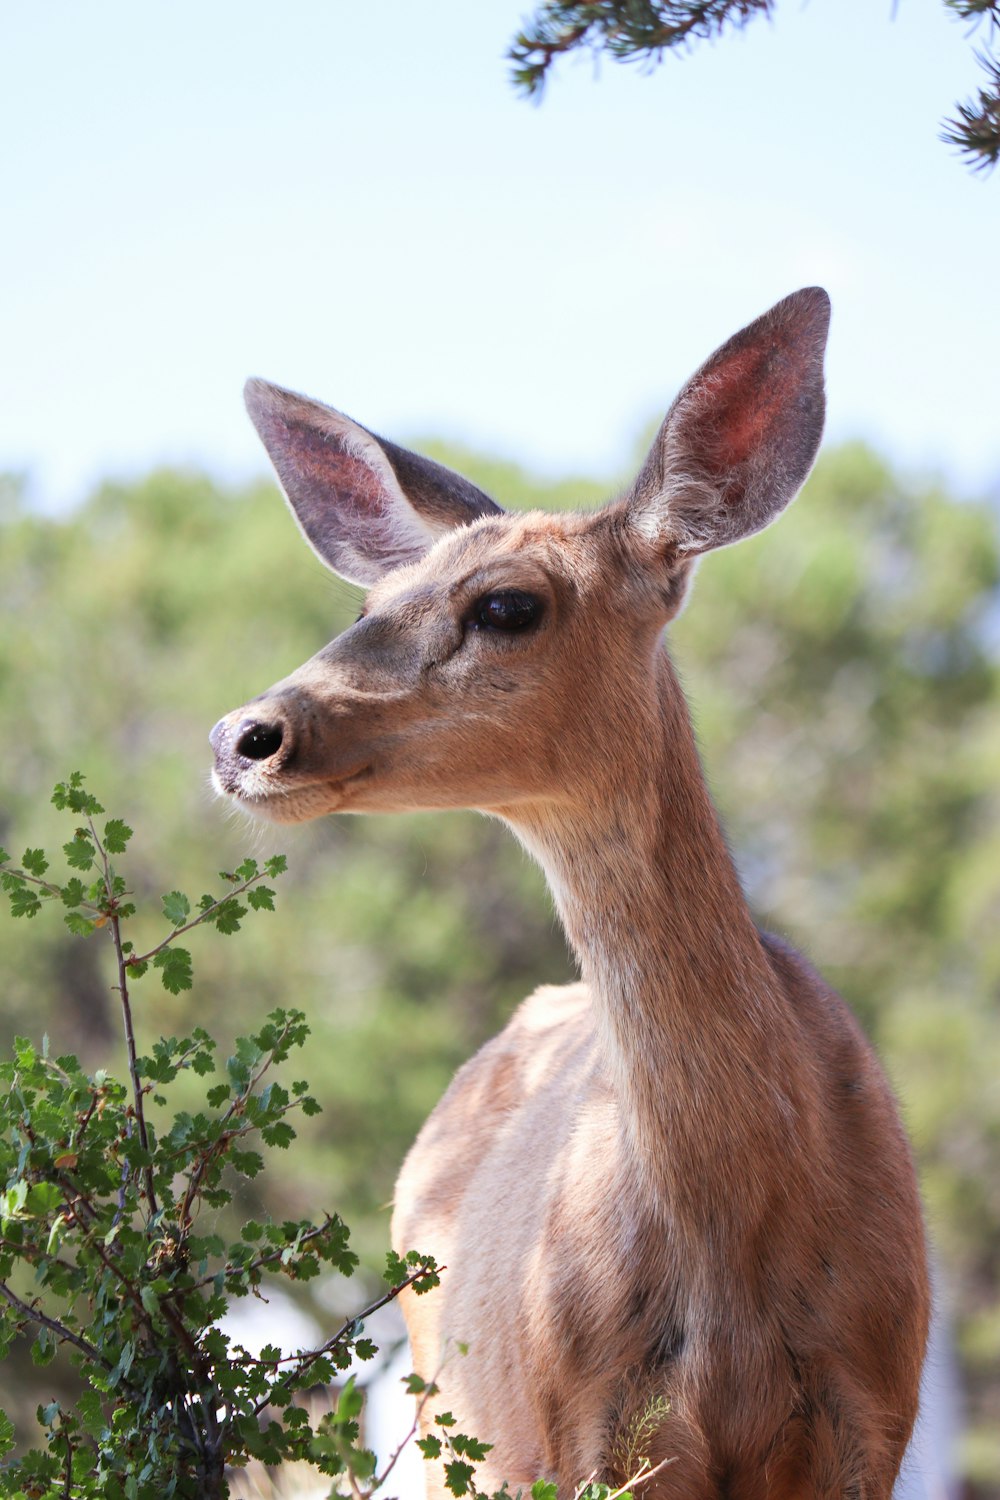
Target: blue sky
column 352, row 200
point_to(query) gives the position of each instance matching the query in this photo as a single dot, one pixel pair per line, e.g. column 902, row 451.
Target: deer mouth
column 288, row 801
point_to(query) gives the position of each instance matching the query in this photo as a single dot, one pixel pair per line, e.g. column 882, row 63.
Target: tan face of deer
column 497, row 652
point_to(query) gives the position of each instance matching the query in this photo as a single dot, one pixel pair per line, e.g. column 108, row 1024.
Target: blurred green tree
column 844, row 672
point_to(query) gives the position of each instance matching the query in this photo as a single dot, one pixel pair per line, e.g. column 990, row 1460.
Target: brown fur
column 675, row 1200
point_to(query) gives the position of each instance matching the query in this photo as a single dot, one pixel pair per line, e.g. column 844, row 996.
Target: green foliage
column 104, row 1244
column 643, row 30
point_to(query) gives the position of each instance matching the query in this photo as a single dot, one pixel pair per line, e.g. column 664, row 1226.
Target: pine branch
column 627, row 29
column 976, row 129
column 643, row 30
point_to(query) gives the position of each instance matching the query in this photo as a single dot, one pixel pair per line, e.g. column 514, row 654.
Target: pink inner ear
column 329, row 469
column 749, row 402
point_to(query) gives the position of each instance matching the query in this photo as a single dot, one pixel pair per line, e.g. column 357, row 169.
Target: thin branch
column 306, row 1361
column 114, row 927
column 259, row 1263
column 46, row 885
column 203, row 916
column 68, row 1472
column 235, row 1105
column 34, row 1253
column 643, row 1476
column 84, row 1120
column 220, row 1143
column 430, row 1390
column 66, row 1335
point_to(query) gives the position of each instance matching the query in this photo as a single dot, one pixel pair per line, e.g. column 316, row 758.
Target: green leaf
column 34, row 862
column 12, row 1202
column 350, row 1402
column 42, row 1198
column 229, row 915
column 80, row 852
column 43, row 1350
column 79, row 924
column 6, row 1433
column 426, row 1283
column 395, row 1268
column 91, row 1413
column 72, row 796
column 150, row 1301
column 175, row 969
column 276, row 865
column 24, row 902
column 430, row 1447
column 249, row 1163
column 116, row 835
column 123, row 1365
column 74, row 892
column 247, row 870
column 458, row 1477
column 261, row 898
column 470, row 1446
column 176, row 908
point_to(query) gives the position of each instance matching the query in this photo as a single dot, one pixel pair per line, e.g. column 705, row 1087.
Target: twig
column 642, row 1477
column 307, row 1360
column 194, row 1180
column 46, row 885
column 203, row 916
column 33, row 1315
column 430, row 1389
column 137, row 1092
column 68, row 1472
column 257, row 1264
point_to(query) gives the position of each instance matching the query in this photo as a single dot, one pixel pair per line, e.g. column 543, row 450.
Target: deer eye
column 509, row 609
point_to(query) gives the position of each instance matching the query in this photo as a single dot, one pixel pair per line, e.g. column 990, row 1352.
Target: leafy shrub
column 103, row 1244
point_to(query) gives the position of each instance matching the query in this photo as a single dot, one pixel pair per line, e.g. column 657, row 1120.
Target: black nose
column 256, row 741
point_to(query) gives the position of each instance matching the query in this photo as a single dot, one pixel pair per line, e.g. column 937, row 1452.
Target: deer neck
column 696, row 1032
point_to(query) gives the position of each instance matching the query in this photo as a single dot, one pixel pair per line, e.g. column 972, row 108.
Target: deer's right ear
column 364, row 505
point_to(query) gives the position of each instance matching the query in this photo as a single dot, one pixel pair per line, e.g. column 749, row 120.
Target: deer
column 675, row 1199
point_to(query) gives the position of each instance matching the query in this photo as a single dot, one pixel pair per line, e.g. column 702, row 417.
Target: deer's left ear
column 740, row 439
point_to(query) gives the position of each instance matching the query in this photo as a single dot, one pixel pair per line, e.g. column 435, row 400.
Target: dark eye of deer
column 508, row 610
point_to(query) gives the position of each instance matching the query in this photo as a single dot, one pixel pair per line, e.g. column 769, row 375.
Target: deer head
column 498, row 653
